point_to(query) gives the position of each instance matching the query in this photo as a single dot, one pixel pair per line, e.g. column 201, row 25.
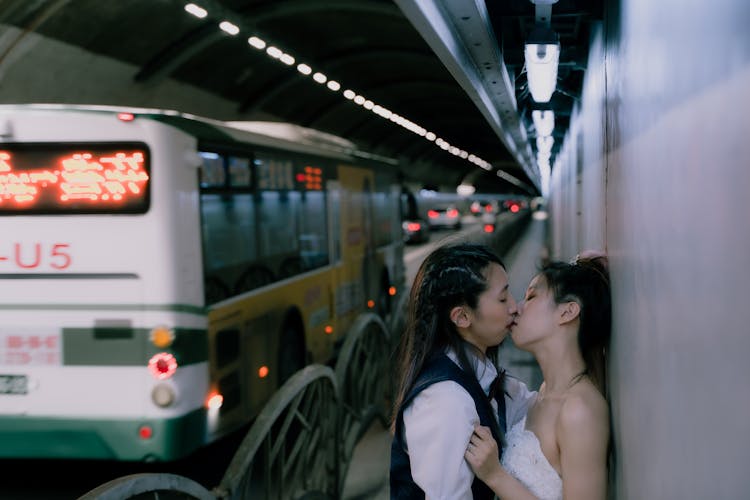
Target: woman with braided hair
column 559, row 450
column 460, row 310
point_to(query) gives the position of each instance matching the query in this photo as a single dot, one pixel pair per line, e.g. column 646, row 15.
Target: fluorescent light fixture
column 544, row 122
column 228, row 27
column 320, row 78
column 198, row 12
column 359, row 99
column 304, row 69
column 287, row 59
column 465, row 190
column 542, row 54
column 274, row 52
column 333, row 85
column 544, row 144
column 349, row 94
column 256, row 42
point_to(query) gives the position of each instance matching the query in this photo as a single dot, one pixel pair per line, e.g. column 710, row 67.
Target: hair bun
column 596, row 260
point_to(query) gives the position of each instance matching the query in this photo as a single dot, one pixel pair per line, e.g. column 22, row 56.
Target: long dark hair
column 586, row 281
column 450, row 276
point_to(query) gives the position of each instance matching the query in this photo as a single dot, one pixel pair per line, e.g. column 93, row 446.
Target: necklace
column 573, row 381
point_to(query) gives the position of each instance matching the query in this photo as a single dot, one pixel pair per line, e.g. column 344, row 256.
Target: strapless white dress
column 524, row 460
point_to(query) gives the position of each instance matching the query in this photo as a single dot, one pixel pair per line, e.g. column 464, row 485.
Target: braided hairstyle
column 586, row 281
column 452, row 275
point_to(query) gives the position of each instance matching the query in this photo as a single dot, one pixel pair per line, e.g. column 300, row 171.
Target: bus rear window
column 74, row 178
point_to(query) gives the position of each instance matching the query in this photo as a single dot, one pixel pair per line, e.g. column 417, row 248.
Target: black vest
column 439, row 369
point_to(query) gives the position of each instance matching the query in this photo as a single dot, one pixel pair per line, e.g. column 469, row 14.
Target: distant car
column 479, row 208
column 444, row 217
column 515, row 206
column 415, row 231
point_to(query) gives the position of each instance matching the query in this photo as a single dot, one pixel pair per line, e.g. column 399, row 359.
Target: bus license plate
column 13, row 384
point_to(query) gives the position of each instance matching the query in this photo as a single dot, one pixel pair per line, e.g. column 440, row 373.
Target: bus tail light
column 263, row 371
column 162, row 395
column 328, row 329
column 145, row 432
column 214, row 401
column 162, row 337
column 370, row 303
column 392, row 291
column 162, row 365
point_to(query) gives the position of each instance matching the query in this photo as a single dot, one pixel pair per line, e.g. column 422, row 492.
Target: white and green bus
column 161, row 274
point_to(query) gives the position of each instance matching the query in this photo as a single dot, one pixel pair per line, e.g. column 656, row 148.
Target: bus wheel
column 291, row 350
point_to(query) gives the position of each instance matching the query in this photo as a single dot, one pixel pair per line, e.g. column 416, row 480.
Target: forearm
column 507, row 487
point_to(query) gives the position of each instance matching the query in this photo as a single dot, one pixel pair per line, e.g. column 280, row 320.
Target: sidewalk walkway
column 367, row 477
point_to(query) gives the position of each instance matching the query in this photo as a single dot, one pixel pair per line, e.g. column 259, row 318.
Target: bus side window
column 212, row 172
column 239, row 172
column 333, row 190
column 228, row 221
column 313, row 235
column 228, row 226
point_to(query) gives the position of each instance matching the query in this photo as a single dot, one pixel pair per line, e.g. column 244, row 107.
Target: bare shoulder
column 584, row 408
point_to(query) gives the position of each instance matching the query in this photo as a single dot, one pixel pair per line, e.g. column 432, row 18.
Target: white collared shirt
column 439, row 423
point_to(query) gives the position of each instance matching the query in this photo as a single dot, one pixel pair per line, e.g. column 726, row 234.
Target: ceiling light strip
column 285, row 58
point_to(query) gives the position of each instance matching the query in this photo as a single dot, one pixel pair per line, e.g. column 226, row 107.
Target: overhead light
column 465, row 190
column 256, row 42
column 544, row 144
column 230, row 28
column 544, row 122
column 542, row 54
column 195, row 10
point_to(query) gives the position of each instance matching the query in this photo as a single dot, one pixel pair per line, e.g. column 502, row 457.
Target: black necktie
column 498, row 394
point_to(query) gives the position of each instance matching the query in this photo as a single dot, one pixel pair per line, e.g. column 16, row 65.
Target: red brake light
column 413, row 226
column 488, row 228
column 145, row 432
column 514, row 208
column 162, row 365
column 488, row 208
column 432, row 214
column 126, row 117
column 452, row 212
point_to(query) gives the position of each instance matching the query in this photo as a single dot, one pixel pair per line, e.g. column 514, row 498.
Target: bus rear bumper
column 48, row 437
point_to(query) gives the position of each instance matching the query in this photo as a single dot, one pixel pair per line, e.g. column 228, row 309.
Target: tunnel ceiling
column 369, row 46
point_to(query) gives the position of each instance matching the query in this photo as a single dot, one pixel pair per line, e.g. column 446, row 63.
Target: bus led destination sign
column 73, row 178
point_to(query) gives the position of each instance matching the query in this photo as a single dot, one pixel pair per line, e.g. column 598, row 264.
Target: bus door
column 336, row 288
column 356, row 237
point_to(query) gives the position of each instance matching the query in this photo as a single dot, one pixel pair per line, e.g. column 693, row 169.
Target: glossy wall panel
column 664, row 179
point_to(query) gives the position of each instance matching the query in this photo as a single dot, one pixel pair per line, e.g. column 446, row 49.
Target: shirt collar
column 484, row 370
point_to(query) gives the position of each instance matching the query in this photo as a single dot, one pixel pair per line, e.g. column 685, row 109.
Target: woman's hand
column 482, row 454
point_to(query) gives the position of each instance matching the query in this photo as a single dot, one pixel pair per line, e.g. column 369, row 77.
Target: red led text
column 37, row 255
column 77, row 177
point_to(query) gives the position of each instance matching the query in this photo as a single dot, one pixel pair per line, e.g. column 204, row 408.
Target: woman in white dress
column 559, row 448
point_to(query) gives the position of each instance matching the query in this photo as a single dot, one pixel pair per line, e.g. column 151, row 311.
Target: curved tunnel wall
column 656, row 170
